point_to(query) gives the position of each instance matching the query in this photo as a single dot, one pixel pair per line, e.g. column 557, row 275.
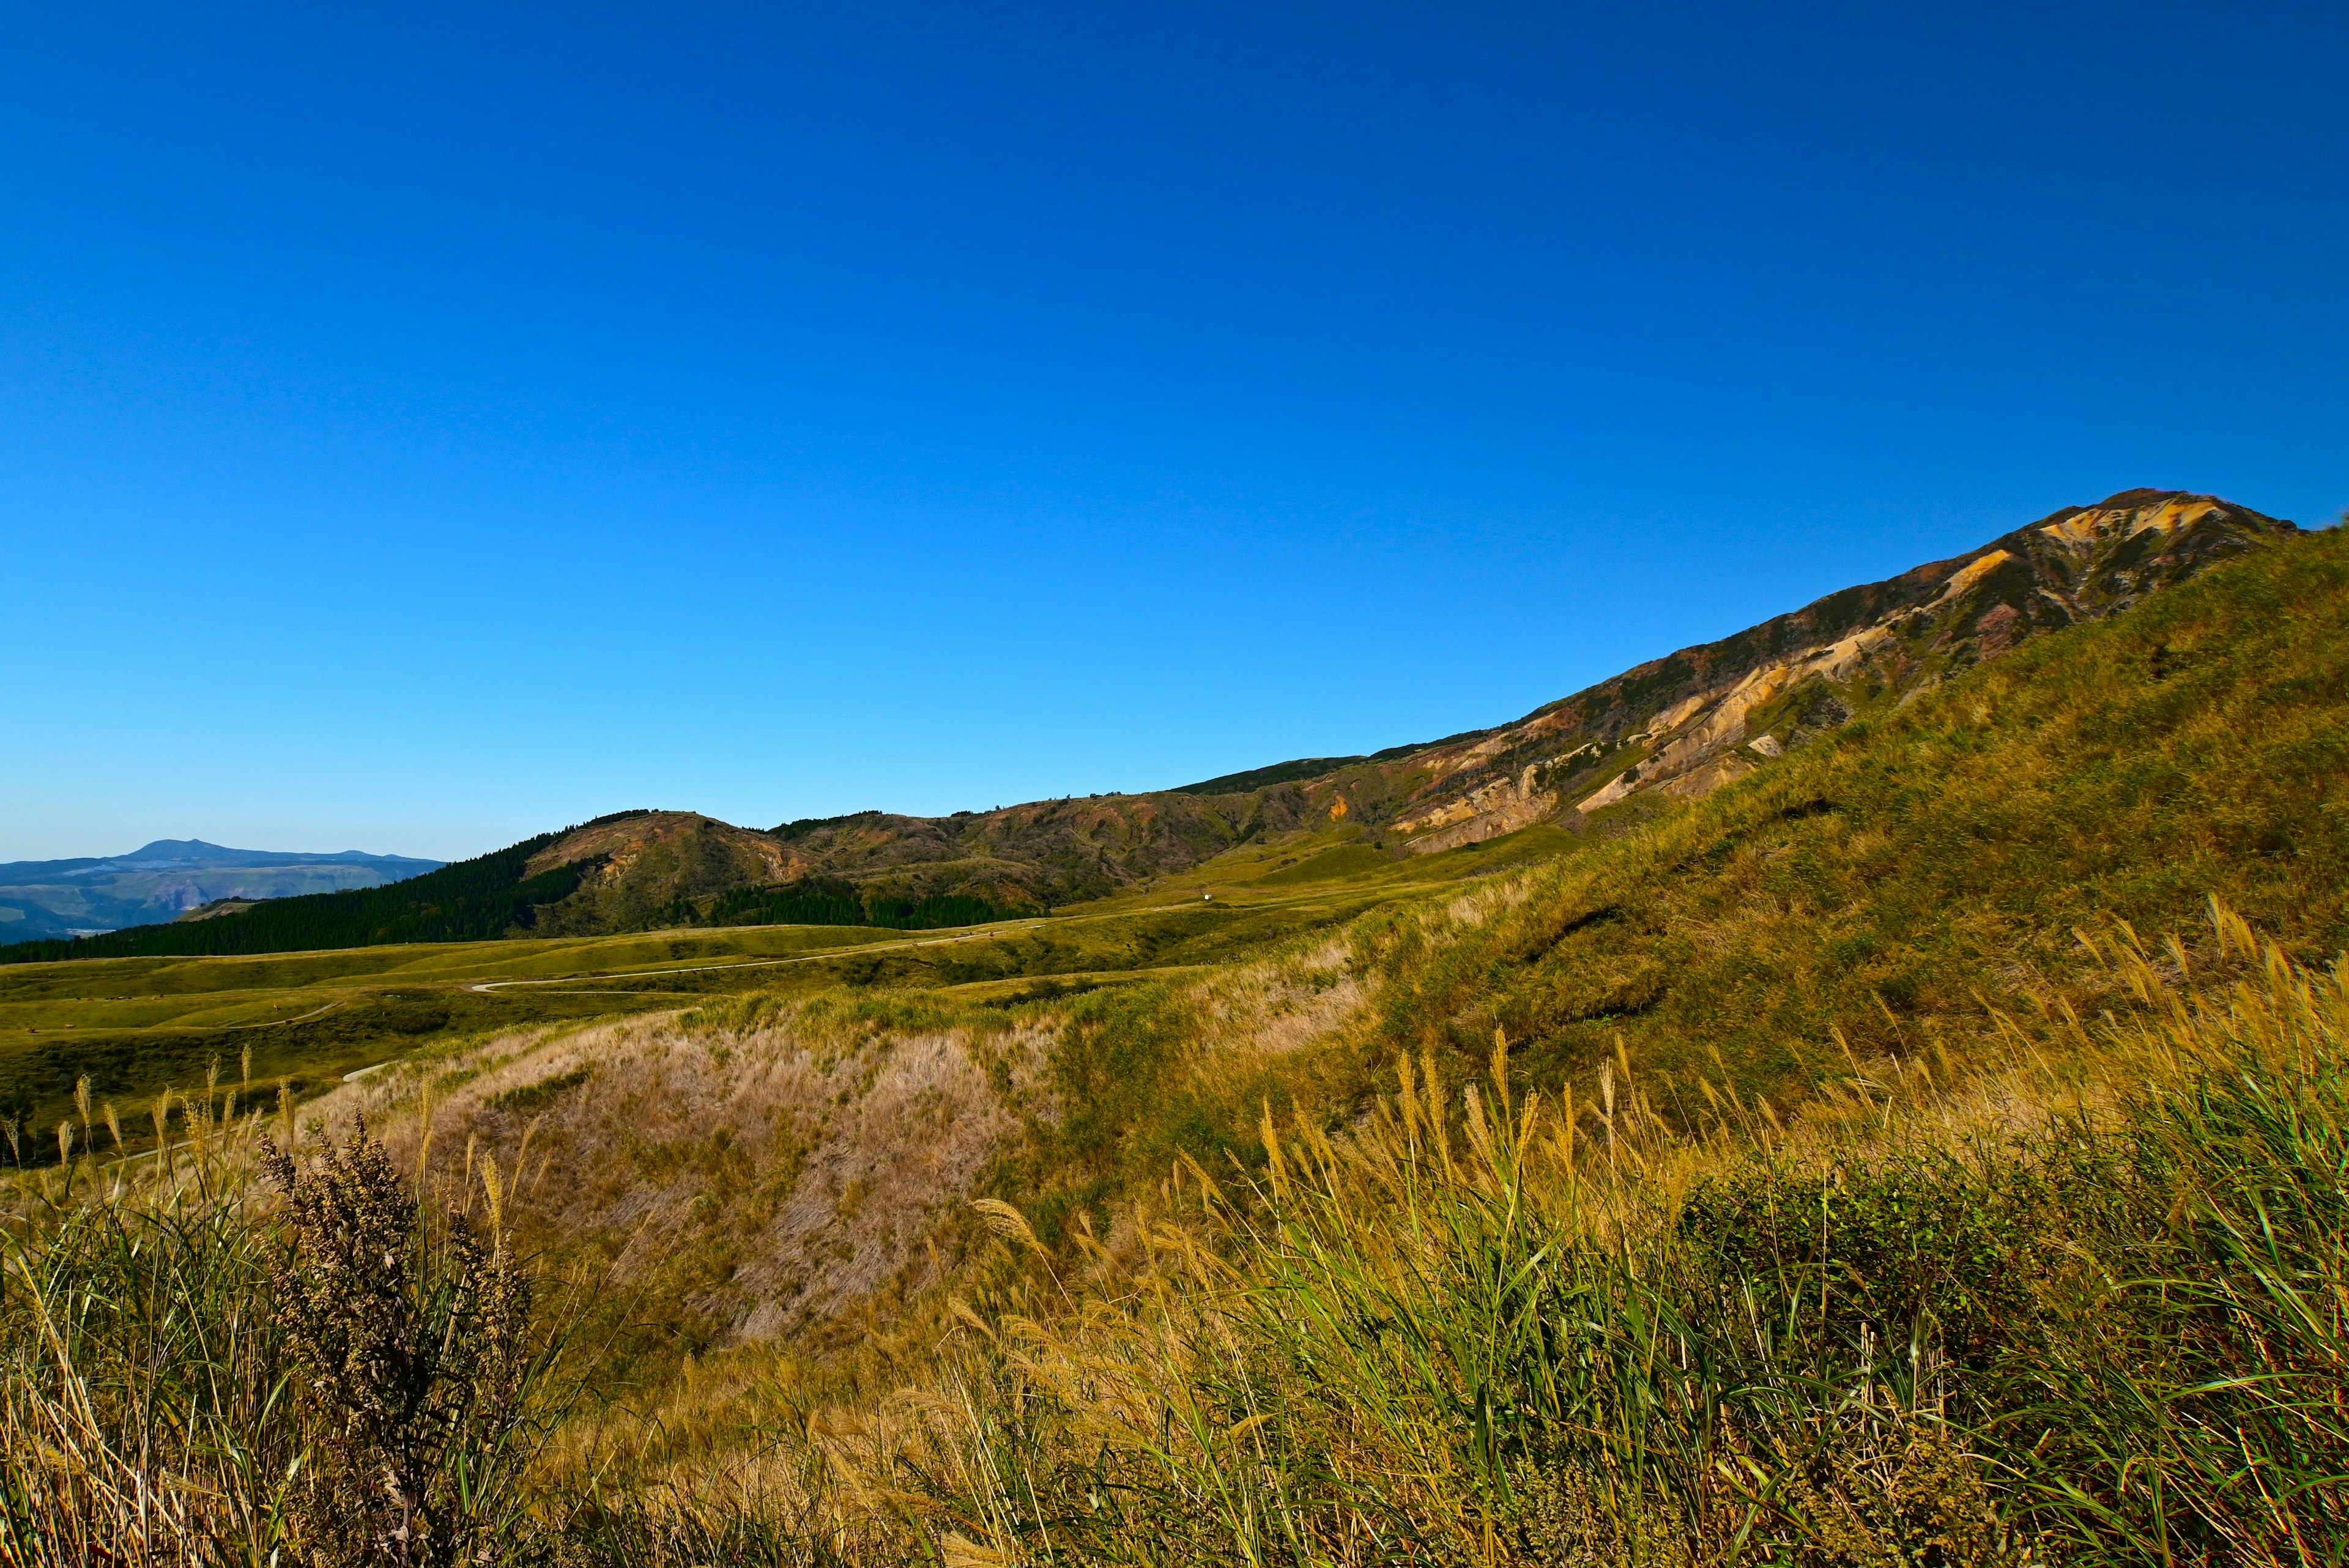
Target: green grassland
column 136, row 1025
column 1892, row 1157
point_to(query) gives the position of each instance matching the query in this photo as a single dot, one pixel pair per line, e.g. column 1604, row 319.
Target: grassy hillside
column 1891, row 1162
column 1871, row 890
column 1677, row 727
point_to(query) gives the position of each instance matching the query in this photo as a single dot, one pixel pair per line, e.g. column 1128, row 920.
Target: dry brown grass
column 1506, row 1333
column 767, row 1181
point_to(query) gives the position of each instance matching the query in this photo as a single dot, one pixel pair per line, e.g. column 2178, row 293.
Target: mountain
column 1677, row 727
column 165, row 880
column 1687, row 722
column 1949, row 1029
column 489, row 896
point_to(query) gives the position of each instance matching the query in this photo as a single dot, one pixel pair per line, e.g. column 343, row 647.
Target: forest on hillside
column 835, row 901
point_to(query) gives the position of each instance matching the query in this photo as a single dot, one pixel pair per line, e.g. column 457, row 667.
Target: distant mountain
column 1678, row 726
column 168, row 878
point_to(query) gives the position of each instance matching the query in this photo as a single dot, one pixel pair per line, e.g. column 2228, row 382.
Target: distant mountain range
column 173, row 879
column 1677, row 727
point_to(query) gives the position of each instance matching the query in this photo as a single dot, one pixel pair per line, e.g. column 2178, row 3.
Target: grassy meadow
column 1929, row 1149
column 134, row 1026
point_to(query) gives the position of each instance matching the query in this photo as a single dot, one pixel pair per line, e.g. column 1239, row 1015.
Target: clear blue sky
column 425, row 425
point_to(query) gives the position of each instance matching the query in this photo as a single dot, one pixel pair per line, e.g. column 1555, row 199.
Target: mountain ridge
column 1675, row 726
column 1678, row 725
column 173, row 853
column 170, row 879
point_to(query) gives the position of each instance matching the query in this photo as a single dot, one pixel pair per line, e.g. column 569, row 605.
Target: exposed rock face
column 1688, row 723
column 773, row 1179
column 1678, row 726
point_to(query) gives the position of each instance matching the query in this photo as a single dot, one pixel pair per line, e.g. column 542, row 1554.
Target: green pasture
column 134, row 1026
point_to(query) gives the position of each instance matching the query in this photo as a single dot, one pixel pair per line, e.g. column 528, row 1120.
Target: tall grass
column 201, row 1366
column 2041, row 1318
column 2087, row 1305
column 143, row 1373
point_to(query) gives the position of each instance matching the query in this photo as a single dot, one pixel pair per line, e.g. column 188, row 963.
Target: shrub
column 191, row 1374
column 410, row 1340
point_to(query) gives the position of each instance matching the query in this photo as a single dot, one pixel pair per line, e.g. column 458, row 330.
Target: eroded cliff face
column 769, row 1169
column 1691, row 722
column 1678, row 726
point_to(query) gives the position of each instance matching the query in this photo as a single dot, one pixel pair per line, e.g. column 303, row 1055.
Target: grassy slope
column 2035, row 1320
column 1871, row 898
column 1888, row 879
column 134, row 1025
column 784, row 1139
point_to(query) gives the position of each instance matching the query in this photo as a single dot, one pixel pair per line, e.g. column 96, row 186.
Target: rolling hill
column 1674, row 727
column 1677, row 1139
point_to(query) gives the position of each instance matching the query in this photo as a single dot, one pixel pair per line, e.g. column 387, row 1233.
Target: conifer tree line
column 830, row 901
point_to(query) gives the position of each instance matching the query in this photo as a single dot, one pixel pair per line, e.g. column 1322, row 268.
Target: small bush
column 535, row 1096
column 193, row 1375
column 410, row 1340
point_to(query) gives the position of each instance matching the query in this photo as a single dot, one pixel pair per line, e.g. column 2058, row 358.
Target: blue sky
column 422, row 425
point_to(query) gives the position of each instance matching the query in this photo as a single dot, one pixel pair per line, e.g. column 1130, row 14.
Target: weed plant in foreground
column 2084, row 1307
column 223, row 1355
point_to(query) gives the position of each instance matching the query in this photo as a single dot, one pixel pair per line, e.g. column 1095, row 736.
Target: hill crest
column 1678, row 726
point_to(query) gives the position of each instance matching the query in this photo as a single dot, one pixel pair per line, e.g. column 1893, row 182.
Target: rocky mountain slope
column 1687, row 722
column 1680, row 725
